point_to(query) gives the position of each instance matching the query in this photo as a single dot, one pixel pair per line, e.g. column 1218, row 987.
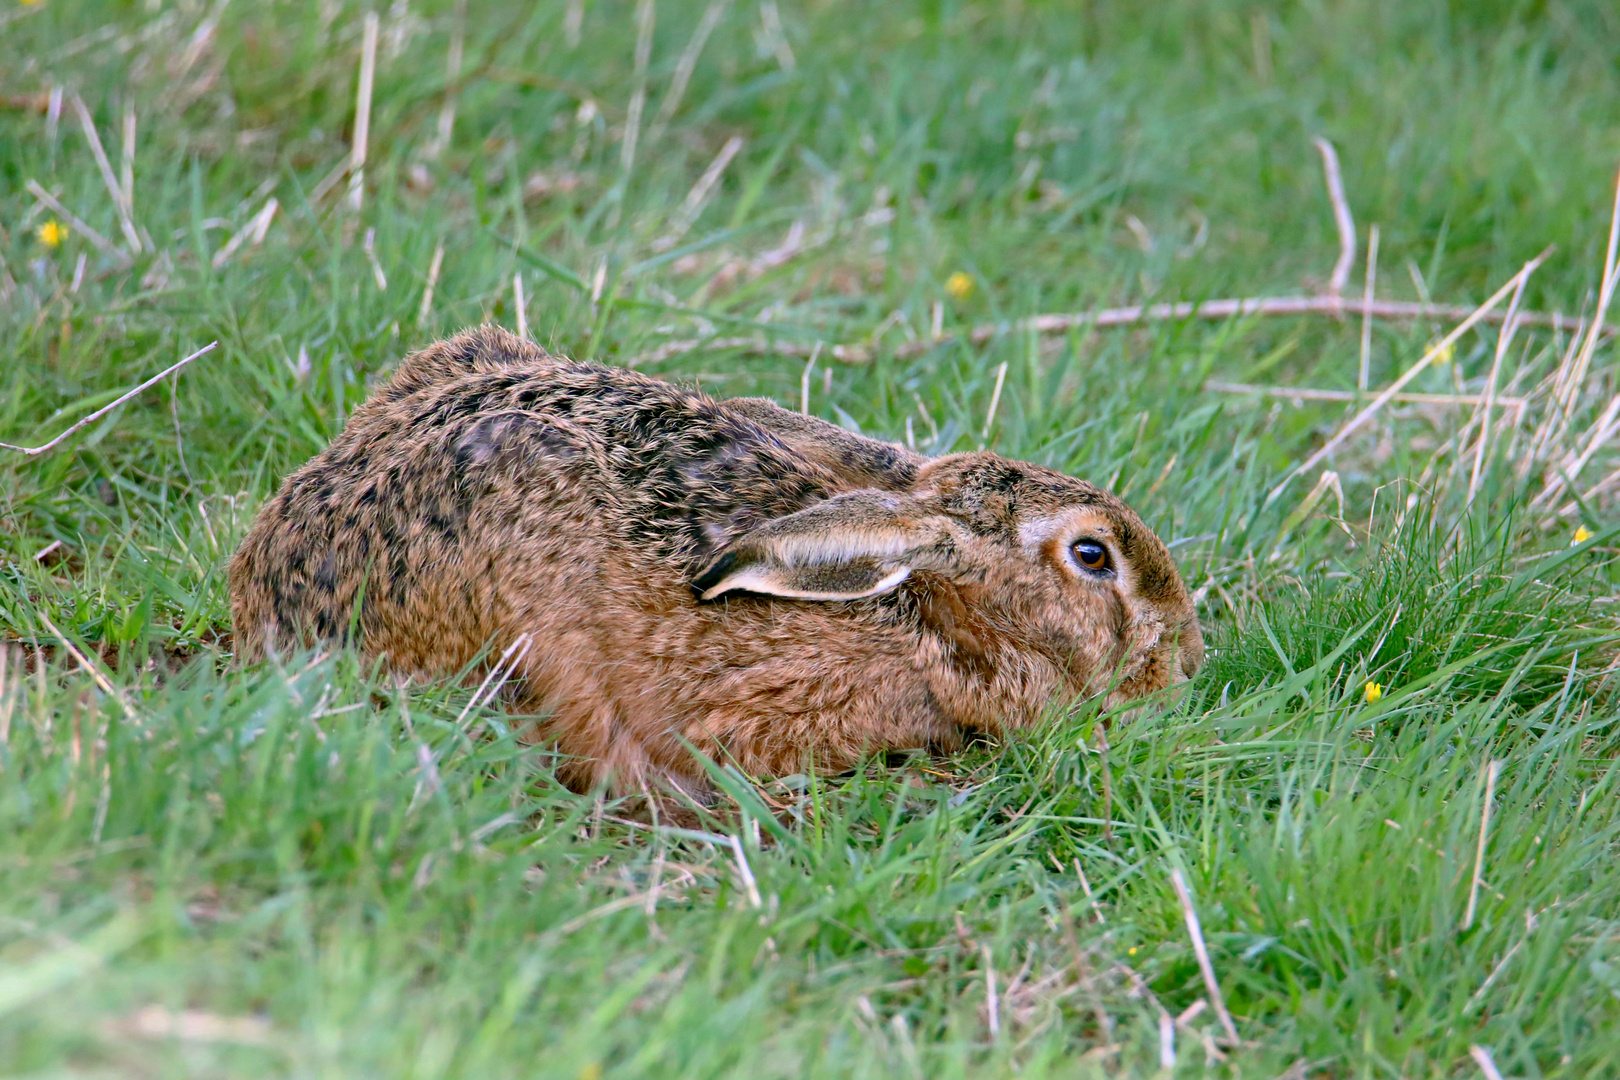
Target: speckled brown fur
column 490, row 490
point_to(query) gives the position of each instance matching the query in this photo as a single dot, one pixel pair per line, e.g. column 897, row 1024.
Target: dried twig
column 31, row 451
column 1361, row 418
column 1190, row 914
column 1341, row 217
column 1305, row 393
column 1278, row 306
column 362, row 113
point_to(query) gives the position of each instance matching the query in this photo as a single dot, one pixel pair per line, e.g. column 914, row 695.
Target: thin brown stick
column 1341, row 217
column 99, row 242
column 105, row 409
column 362, row 113
column 1276, row 306
column 1195, row 931
column 1361, row 418
column 1311, row 394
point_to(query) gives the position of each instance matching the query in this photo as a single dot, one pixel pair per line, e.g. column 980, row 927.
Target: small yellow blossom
column 29, row 3
column 1131, row 951
column 52, row 233
column 1374, row 692
column 1582, row 535
column 959, row 286
column 1445, row 355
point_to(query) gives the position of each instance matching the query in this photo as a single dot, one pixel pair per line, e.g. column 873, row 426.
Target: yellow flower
column 29, row 3
column 1445, row 355
column 1374, row 692
column 52, row 233
column 1131, row 951
column 591, row 1070
column 1582, row 535
column 959, row 286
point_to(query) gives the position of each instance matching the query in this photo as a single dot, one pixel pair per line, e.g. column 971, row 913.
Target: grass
column 299, row 870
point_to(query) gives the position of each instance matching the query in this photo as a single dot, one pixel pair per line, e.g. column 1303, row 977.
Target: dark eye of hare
column 1091, row 555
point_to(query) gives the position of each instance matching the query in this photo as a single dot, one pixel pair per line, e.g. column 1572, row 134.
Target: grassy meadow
column 1391, row 794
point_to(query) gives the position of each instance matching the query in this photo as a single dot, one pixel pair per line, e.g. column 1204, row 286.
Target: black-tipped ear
column 851, row 546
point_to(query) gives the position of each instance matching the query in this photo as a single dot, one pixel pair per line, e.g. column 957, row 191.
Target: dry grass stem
column 1487, row 1064
column 91, row 668
column 32, row 451
column 1341, row 217
column 99, row 242
column 452, row 82
column 995, row 400
column 432, row 282
column 685, row 66
column 496, row 678
column 646, row 16
column 520, row 304
column 252, row 233
column 1207, row 969
column 992, row 1001
column 1355, row 423
column 698, row 197
column 115, row 190
column 369, row 246
column 1504, row 339
column 1367, row 297
column 1491, row 772
column 1583, row 359
column 745, row 872
column 804, row 381
column 362, row 113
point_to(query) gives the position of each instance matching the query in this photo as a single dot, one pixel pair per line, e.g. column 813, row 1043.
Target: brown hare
column 775, row 591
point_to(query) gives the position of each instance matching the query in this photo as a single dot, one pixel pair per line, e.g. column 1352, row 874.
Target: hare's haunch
column 771, row 589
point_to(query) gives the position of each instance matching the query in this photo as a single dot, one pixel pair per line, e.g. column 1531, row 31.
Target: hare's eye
column 1091, row 555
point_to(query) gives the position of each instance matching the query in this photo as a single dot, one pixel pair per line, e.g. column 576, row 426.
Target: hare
column 729, row 576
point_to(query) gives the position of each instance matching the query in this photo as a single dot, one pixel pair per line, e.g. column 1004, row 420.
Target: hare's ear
column 857, row 544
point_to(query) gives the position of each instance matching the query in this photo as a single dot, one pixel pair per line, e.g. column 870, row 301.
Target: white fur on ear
column 853, row 545
column 776, row 580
